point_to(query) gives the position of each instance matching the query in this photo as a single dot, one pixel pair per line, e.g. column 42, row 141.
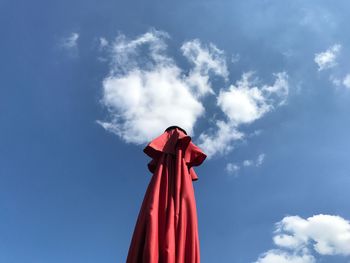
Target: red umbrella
column 166, row 229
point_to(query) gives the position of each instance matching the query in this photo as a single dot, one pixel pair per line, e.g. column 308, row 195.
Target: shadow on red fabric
column 166, row 230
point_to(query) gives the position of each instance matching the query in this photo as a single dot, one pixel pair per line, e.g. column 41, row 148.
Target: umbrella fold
column 166, row 229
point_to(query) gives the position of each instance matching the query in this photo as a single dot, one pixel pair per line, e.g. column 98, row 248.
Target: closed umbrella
column 166, row 229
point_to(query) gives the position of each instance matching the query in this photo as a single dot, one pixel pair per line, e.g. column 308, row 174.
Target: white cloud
column 146, row 91
column 232, row 168
column 205, row 60
column 340, row 81
column 327, row 59
column 103, row 42
column 243, row 103
column 278, row 256
column 255, row 133
column 260, row 159
column 247, row 163
column 336, row 81
column 71, row 41
column 127, row 54
column 221, row 141
column 235, row 58
column 141, row 105
column 329, row 234
column 320, row 234
column 277, row 93
column 346, row 81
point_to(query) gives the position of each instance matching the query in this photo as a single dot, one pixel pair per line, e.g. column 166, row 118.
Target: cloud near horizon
column 299, row 240
column 146, row 88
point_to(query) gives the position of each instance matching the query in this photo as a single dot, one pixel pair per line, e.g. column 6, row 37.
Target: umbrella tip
column 173, row 127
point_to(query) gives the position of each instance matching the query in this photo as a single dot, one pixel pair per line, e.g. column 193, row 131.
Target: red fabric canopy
column 166, row 229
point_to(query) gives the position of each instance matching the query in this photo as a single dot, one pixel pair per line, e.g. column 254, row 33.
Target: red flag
column 166, row 229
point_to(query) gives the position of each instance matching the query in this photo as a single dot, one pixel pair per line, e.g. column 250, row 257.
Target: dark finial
column 173, row 127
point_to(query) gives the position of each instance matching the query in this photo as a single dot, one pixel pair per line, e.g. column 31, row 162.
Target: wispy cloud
column 70, row 41
column 343, row 82
column 260, row 159
column 235, row 58
column 205, row 59
column 233, row 168
column 103, row 42
column 247, row 163
column 220, row 142
column 299, row 239
column 346, row 81
column 327, row 59
column 243, row 103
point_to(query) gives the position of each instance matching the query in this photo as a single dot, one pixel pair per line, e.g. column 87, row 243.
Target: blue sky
column 263, row 87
